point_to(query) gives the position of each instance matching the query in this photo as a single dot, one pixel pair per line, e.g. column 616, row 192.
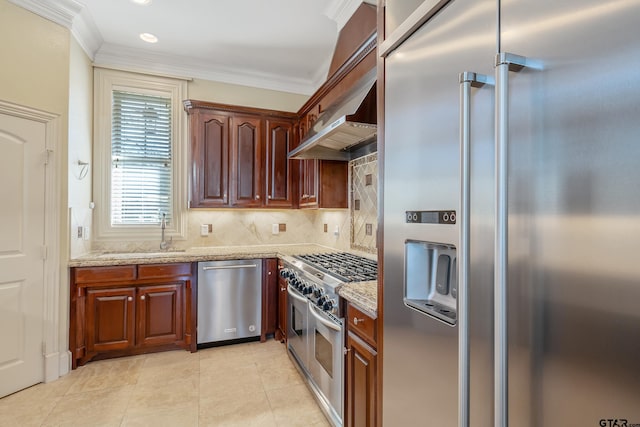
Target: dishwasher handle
column 229, row 267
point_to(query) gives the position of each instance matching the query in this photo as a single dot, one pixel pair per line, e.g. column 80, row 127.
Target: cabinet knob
column 142, row 297
column 129, row 298
column 269, row 273
column 356, row 320
column 269, row 196
column 283, row 289
column 257, row 197
column 346, row 350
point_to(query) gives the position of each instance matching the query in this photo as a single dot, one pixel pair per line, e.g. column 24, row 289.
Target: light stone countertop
column 364, row 295
column 212, row 253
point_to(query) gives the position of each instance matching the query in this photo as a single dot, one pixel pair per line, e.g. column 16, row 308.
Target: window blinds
column 140, row 159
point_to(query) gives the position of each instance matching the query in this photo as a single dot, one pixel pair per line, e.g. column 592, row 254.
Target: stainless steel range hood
column 345, row 130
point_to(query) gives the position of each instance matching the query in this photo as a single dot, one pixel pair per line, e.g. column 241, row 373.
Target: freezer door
column 574, row 222
column 421, row 174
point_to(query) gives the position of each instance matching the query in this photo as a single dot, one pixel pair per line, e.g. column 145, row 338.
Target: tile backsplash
column 363, row 173
column 231, row 227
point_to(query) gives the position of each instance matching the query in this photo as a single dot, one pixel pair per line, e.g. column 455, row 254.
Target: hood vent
column 347, row 129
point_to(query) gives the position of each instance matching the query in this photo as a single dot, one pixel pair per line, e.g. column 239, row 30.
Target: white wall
column 80, row 147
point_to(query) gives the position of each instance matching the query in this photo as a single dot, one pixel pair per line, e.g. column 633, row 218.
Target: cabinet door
column 161, row 314
column 279, row 175
column 360, row 387
column 210, row 163
column 308, row 183
column 333, row 191
column 110, row 319
column 269, row 297
column 246, row 161
column 282, row 306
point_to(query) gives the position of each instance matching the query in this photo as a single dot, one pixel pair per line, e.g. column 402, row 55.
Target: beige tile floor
column 252, row 384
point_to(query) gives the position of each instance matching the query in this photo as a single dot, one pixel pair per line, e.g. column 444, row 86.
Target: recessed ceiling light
column 148, row 37
column 142, row 2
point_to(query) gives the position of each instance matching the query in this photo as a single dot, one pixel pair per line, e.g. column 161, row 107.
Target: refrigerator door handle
column 467, row 81
column 505, row 62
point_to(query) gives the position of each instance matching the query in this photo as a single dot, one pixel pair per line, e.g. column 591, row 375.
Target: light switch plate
column 204, row 230
column 275, row 228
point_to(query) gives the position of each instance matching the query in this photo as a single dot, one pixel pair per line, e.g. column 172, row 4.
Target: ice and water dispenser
column 430, row 272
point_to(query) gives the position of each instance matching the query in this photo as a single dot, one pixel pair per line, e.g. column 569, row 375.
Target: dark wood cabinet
column 160, row 314
column 361, row 381
column 239, row 156
column 210, row 152
column 281, row 330
column 247, row 173
column 269, row 297
column 324, row 184
column 279, row 176
column 308, row 183
column 131, row 309
column 110, row 319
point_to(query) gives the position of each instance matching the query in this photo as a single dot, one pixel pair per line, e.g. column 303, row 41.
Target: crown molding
column 87, row 34
column 61, row 12
column 341, row 11
column 110, row 55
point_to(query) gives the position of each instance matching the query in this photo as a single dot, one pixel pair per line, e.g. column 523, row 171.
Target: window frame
column 105, row 82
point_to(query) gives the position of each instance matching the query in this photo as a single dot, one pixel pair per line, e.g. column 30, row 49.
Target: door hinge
column 47, row 156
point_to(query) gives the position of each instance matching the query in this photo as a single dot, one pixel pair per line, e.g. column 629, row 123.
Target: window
column 139, row 149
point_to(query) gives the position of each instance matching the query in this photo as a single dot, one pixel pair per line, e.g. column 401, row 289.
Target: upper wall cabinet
column 279, row 177
column 239, row 156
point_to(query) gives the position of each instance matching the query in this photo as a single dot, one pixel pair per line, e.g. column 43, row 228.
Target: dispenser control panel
column 430, row 217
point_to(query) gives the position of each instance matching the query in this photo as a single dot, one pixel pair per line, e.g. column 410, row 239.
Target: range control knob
column 329, row 305
column 306, row 289
column 318, row 291
column 321, row 301
column 285, row 272
column 294, row 281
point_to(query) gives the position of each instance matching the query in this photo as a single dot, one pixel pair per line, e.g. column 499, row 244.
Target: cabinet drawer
column 362, row 324
column 155, row 271
column 115, row 273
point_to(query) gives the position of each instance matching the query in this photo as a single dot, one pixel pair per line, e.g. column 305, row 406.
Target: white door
column 22, row 237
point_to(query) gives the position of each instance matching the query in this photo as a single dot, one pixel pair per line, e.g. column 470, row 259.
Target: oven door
column 298, row 327
column 327, row 357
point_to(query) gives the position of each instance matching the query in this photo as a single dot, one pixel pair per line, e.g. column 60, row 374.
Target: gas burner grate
column 352, row 268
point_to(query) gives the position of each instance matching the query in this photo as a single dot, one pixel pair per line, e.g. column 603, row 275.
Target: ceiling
column 282, row 45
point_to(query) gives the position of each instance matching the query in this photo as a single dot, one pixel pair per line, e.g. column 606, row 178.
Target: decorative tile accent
column 364, row 206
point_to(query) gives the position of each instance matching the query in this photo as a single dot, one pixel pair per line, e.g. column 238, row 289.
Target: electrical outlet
column 275, row 228
column 326, row 228
column 79, row 232
column 282, row 227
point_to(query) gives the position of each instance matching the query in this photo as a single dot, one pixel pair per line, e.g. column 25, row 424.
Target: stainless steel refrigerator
column 511, row 214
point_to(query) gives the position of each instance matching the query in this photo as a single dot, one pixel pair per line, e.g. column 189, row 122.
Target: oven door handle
column 294, row 295
column 325, row 322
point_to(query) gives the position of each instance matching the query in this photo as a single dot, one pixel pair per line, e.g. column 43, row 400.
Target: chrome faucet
column 163, row 224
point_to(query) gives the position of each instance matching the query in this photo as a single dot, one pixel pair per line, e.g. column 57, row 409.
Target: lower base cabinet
column 131, row 309
column 361, row 370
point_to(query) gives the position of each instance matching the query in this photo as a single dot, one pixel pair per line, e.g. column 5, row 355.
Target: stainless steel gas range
column 315, row 322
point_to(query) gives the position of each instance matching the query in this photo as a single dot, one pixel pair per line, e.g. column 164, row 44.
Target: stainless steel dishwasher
column 229, row 300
